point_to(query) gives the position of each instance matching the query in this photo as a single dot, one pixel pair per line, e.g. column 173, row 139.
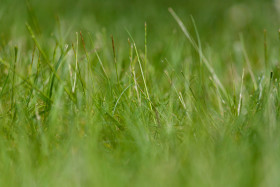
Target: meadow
column 139, row 93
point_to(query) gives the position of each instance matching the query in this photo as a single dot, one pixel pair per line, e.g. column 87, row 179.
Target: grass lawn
column 139, row 93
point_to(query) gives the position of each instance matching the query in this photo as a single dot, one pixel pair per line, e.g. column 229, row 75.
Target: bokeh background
column 212, row 16
column 219, row 23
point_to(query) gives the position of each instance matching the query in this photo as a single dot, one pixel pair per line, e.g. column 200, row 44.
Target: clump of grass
column 166, row 109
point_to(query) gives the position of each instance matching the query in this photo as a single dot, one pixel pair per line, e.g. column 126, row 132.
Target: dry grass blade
column 248, row 63
column 240, row 95
column 197, row 48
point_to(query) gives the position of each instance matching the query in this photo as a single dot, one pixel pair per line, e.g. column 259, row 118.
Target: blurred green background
column 219, row 23
column 212, row 17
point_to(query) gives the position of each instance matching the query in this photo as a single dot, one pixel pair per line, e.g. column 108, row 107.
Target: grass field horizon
column 139, row 93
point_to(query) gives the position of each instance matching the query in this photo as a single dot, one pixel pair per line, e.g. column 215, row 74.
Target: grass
column 139, row 94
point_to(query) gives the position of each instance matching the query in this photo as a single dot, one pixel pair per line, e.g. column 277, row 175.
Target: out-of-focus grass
column 65, row 119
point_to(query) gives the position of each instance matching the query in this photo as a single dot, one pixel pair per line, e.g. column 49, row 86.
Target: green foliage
column 135, row 93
